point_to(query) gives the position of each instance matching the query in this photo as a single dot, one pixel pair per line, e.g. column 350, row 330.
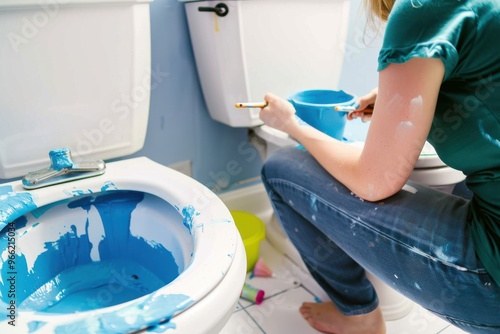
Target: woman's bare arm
column 406, row 101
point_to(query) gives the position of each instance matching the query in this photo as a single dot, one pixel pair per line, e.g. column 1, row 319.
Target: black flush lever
column 220, row 9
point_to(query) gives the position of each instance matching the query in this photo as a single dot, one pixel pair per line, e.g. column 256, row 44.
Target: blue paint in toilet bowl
column 65, row 279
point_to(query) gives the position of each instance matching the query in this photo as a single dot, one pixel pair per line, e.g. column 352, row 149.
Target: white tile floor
column 292, row 285
column 286, row 291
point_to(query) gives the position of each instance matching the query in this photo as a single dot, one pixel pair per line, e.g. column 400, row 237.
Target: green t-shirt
column 465, row 131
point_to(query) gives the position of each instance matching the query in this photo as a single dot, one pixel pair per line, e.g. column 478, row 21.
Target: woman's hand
column 365, row 109
column 279, row 114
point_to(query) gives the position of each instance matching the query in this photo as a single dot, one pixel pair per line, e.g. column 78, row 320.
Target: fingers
column 365, row 114
column 366, row 105
column 353, row 115
column 364, row 117
column 271, row 98
column 368, row 99
column 358, row 114
column 279, row 113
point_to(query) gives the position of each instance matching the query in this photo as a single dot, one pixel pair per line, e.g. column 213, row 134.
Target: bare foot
column 326, row 318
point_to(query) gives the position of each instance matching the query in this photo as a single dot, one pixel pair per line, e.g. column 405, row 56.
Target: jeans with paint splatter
column 416, row 241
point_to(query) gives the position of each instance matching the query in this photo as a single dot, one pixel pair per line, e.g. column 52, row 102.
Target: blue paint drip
column 76, row 193
column 13, row 205
column 67, row 252
column 109, row 186
column 115, row 211
column 188, row 214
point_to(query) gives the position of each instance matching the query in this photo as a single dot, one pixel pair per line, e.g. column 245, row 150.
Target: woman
column 439, row 80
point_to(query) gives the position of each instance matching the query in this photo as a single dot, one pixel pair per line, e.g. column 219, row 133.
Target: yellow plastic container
column 252, row 231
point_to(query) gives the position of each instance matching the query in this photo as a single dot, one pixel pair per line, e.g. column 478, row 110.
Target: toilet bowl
column 140, row 247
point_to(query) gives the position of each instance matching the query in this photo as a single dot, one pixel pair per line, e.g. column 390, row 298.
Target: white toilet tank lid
column 5, row 4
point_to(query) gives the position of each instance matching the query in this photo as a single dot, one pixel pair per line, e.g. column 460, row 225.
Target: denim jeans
column 416, row 241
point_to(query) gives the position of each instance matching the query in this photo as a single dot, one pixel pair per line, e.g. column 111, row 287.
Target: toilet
column 88, row 246
column 244, row 49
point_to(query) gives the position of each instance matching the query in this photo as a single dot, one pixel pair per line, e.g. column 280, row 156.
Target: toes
column 306, row 308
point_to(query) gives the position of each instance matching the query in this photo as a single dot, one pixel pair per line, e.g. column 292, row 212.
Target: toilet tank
column 260, row 46
column 75, row 74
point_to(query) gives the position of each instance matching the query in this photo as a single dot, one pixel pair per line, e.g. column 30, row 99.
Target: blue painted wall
column 180, row 127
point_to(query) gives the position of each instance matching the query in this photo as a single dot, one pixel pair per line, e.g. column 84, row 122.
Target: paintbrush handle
column 251, row 104
column 367, row 110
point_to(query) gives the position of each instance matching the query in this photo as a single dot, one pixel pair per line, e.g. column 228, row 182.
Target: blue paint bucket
column 317, row 108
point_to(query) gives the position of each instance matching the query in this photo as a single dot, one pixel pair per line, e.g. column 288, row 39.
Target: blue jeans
column 416, row 241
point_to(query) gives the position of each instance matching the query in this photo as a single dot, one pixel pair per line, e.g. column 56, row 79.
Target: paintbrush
column 251, row 104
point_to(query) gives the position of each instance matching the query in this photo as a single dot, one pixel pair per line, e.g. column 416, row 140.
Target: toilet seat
column 267, row 140
column 271, row 135
column 216, row 271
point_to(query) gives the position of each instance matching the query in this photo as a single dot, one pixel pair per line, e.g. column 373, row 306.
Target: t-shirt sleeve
column 427, row 29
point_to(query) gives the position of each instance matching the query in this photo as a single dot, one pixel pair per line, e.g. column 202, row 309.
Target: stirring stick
column 251, row 104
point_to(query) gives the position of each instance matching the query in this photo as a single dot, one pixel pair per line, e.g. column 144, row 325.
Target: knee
column 277, row 163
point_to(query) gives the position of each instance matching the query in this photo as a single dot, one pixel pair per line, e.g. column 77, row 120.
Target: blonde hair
column 379, row 9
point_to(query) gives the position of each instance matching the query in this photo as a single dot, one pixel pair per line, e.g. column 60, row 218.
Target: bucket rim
column 352, row 101
column 242, row 219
